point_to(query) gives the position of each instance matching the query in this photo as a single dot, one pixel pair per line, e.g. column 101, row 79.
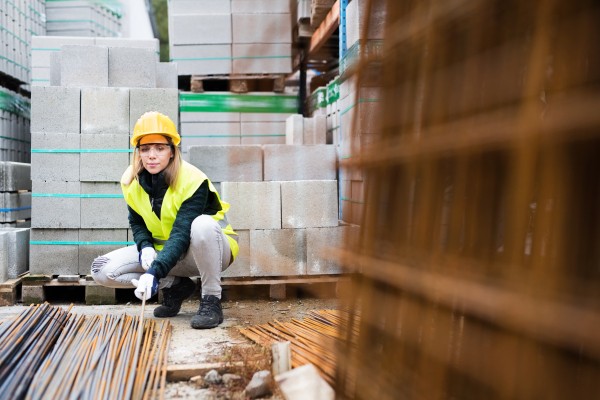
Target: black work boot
column 173, row 297
column 210, row 313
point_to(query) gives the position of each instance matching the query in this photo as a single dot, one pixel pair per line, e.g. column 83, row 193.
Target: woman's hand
column 146, row 286
column 147, row 255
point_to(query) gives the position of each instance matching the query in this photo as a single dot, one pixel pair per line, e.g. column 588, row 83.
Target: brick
column 277, row 252
column 14, row 176
column 4, row 261
column 200, row 29
column 357, row 18
column 256, row 61
column 55, row 109
column 131, row 67
column 277, row 28
column 100, row 295
column 17, row 246
column 84, row 65
column 203, row 7
column 142, row 100
column 263, row 132
column 254, row 205
column 54, row 68
column 110, row 213
column 264, row 117
column 105, row 110
column 318, row 243
column 202, row 134
column 43, row 46
column 260, row 6
column 55, row 212
column 33, row 294
column 297, row 163
column 15, row 201
column 88, row 253
column 166, row 75
column 210, row 117
column 241, row 265
column 54, row 259
column 202, row 59
column 309, row 204
column 103, row 167
column 228, row 163
column 294, row 129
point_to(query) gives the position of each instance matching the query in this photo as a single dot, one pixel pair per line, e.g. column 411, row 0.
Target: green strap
column 18, row 140
column 352, row 200
column 80, row 196
column 17, row 8
column 82, row 243
column 13, row 62
column 82, row 150
column 16, row 37
column 359, row 101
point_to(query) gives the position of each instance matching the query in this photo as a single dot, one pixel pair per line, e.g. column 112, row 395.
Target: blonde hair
column 171, row 172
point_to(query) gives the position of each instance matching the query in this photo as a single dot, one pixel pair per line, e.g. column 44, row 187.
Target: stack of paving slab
column 81, row 147
column 82, row 18
column 284, row 205
column 15, row 136
column 216, row 37
column 45, row 48
column 21, row 19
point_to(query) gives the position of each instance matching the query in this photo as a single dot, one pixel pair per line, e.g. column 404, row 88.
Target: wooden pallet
column 9, row 292
column 241, row 83
column 277, row 285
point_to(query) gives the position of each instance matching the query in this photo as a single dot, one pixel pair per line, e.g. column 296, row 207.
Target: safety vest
column 190, row 179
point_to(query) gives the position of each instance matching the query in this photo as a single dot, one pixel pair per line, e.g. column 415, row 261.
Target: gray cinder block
column 294, row 129
column 263, row 132
column 106, row 166
column 131, row 67
column 142, row 100
column 320, row 240
column 17, row 246
column 276, row 252
column 55, row 212
column 201, row 29
column 89, row 252
column 244, row 28
column 209, row 133
column 19, row 203
column 297, row 163
column 203, row 7
column 228, row 163
column 43, row 46
column 166, row 75
column 84, row 65
column 55, row 167
column 241, row 265
column 4, row 249
column 54, row 259
column 202, row 59
column 309, row 204
column 55, row 68
column 128, row 42
column 319, row 129
column 262, row 58
column 33, row 294
column 100, row 295
column 110, row 213
column 259, row 6
column 308, row 133
column 105, row 110
column 55, row 109
column 254, row 205
column 14, row 176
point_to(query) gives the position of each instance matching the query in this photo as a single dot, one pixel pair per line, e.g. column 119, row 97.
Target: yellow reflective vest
column 190, row 179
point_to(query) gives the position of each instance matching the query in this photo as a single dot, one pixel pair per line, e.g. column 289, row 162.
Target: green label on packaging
column 15, row 105
column 333, row 91
column 243, row 103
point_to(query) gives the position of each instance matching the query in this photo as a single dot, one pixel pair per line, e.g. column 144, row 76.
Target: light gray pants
column 209, row 254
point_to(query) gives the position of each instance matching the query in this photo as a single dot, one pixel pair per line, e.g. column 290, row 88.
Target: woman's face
column 155, row 152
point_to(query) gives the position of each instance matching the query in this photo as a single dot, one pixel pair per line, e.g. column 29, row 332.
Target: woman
column 179, row 227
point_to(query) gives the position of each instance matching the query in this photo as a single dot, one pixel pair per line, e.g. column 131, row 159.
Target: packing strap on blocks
column 243, row 103
column 82, row 150
column 66, row 243
column 81, row 196
column 14, row 209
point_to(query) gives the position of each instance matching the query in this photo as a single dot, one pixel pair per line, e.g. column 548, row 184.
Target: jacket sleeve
column 141, row 235
column 179, row 239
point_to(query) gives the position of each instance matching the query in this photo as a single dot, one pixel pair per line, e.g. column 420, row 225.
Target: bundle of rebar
column 312, row 340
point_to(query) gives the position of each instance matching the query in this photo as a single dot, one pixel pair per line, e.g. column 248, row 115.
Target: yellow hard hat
column 155, row 123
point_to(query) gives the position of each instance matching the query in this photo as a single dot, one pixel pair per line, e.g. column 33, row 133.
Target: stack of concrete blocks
column 217, row 37
column 356, row 21
column 15, row 195
column 306, row 131
column 15, row 137
column 284, row 206
column 81, row 132
column 45, row 50
column 82, row 18
column 333, row 112
column 303, row 11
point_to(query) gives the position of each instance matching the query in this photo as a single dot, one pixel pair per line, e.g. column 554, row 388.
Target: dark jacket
column 203, row 201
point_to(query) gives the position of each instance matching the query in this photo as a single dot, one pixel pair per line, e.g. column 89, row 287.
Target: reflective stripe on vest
column 190, row 179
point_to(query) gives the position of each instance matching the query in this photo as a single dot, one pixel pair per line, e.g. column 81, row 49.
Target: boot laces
column 206, row 306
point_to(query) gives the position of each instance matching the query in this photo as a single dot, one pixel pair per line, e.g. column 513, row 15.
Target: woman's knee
column 100, row 271
column 204, row 228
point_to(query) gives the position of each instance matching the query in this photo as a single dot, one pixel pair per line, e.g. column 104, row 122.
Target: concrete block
column 105, row 111
column 202, row 59
column 100, row 295
column 260, row 6
column 55, row 68
column 55, row 167
column 357, row 18
column 142, row 100
column 84, row 65
column 217, row 186
column 241, row 265
column 4, row 250
column 43, row 46
column 318, row 243
column 294, row 129
column 55, row 212
column 103, row 167
column 276, row 28
column 17, row 249
column 20, row 203
column 309, row 204
column 262, row 58
column 228, row 163
column 54, row 259
column 263, row 132
column 210, row 117
column 128, row 42
column 278, row 252
column 88, row 253
column 68, row 278
column 254, row 205
column 196, row 7
column 319, row 129
column 55, row 109
column 200, row 29
column 264, row 117
column 33, row 294
column 368, row 108
column 131, row 67
column 109, row 213
column 203, row 134
column 166, row 75
column 14, row 176
column 41, row 76
column 308, row 132
column 298, row 163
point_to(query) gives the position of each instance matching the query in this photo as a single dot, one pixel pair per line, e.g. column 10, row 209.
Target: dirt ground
column 241, row 307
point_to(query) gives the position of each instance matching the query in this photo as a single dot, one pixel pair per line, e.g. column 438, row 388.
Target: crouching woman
column 179, row 228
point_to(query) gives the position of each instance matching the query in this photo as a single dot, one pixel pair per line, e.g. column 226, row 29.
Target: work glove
column 146, row 286
column 147, row 255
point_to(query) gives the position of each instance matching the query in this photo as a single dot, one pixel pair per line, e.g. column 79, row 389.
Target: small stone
column 259, row 385
column 212, row 377
column 246, row 322
column 128, row 303
column 230, row 379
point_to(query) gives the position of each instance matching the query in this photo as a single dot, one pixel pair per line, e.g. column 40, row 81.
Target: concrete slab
column 293, row 163
column 105, row 111
column 54, row 259
column 200, row 29
column 55, row 212
column 17, row 246
column 84, row 66
column 202, row 59
column 259, row 6
column 228, row 163
column 131, row 67
column 19, row 203
column 14, row 176
column 195, row 7
column 254, row 205
column 309, row 204
column 278, row 252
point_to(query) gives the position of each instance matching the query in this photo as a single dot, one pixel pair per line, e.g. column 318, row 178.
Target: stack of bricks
column 15, row 137
column 82, row 18
column 230, row 37
column 81, row 146
column 284, row 205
